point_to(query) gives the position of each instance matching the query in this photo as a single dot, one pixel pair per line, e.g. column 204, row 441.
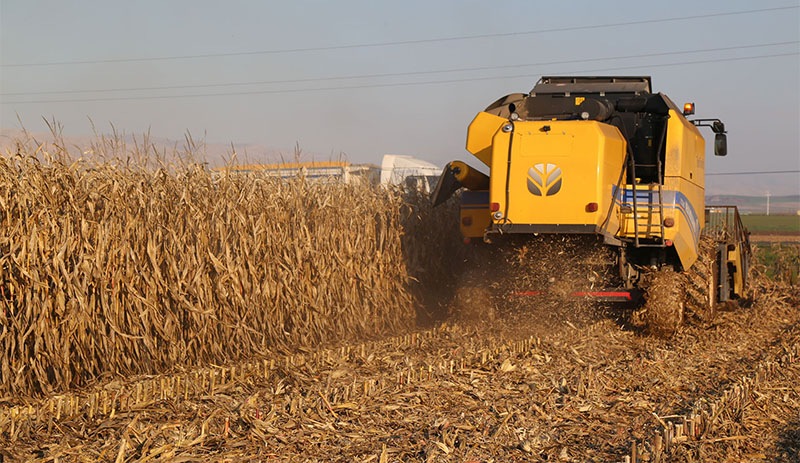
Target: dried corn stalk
column 109, row 268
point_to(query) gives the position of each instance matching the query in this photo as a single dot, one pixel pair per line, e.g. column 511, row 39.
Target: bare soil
column 775, row 238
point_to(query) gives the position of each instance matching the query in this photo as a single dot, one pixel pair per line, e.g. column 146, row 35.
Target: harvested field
column 183, row 354
column 512, row 390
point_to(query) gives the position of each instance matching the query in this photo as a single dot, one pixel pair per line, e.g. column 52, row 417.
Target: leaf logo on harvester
column 544, row 179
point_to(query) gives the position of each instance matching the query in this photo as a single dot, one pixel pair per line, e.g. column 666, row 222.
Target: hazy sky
column 365, row 78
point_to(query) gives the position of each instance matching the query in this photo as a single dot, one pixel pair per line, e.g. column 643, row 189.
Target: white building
column 397, row 169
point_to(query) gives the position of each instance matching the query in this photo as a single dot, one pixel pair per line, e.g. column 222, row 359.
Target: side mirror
column 721, row 144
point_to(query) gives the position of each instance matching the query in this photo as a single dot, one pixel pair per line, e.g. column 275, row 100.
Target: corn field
column 115, row 268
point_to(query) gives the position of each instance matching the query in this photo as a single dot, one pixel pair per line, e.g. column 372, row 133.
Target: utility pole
column 768, row 195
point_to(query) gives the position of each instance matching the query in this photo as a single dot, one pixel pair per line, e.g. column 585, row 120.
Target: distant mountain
column 215, row 154
column 788, row 204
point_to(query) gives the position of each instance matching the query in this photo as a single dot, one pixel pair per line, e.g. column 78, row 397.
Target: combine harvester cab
column 599, row 156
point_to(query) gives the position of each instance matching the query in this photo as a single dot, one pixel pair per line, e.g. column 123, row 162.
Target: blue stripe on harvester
column 672, row 200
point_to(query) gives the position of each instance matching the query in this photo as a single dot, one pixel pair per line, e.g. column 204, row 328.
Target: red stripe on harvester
column 623, row 294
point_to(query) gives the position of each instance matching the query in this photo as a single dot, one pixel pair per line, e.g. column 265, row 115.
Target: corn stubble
column 113, row 269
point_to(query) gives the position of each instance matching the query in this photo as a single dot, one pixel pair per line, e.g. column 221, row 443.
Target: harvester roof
column 592, row 84
column 591, row 97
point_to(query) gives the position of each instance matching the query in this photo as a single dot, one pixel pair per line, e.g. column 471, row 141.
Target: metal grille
column 725, row 225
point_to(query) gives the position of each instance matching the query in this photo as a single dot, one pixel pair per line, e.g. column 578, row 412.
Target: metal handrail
column 724, row 224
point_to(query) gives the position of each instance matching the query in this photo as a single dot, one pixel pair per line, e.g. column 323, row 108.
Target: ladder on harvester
column 649, row 208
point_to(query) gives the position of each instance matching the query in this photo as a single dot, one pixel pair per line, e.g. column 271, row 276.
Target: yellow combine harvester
column 601, row 156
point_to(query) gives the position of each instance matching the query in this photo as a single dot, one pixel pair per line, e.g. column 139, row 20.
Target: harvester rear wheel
column 703, row 280
column 663, row 311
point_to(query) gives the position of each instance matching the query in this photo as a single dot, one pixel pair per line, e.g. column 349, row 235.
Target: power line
column 766, row 172
column 380, row 85
column 399, row 74
column 402, row 42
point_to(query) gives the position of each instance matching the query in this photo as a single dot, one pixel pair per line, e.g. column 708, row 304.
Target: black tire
column 663, row 311
column 703, row 282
